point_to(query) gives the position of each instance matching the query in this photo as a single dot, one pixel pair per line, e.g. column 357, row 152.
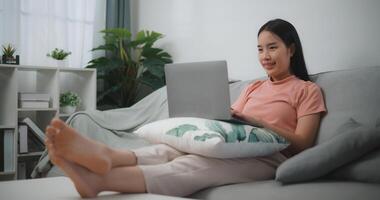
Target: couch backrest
column 349, row 93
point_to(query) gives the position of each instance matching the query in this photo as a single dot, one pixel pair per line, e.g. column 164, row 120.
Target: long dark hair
column 289, row 36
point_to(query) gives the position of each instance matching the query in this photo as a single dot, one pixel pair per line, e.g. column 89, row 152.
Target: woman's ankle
column 122, row 157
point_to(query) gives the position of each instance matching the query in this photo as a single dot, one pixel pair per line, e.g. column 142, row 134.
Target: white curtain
column 36, row 27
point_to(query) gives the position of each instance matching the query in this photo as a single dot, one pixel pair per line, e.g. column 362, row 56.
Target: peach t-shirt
column 280, row 103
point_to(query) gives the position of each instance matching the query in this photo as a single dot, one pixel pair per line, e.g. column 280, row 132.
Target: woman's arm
column 304, row 135
column 301, row 139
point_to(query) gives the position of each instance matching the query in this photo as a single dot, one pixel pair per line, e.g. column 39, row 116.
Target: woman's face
column 274, row 56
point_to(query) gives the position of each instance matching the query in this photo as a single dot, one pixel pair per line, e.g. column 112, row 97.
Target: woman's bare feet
column 73, row 147
column 87, row 184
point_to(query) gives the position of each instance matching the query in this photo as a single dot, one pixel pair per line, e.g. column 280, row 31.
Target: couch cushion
column 366, row 169
column 272, row 190
column 349, row 143
column 60, row 188
column 348, row 93
column 212, row 138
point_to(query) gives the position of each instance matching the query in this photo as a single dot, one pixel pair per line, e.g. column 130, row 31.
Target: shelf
column 17, row 79
column 8, row 95
column 8, row 66
column 39, row 153
column 7, row 126
column 36, row 109
column 65, row 115
column 67, row 69
column 34, row 68
column 82, row 83
column 7, row 173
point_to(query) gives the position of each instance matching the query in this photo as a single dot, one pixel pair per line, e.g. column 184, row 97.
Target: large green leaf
column 149, row 52
column 117, row 32
column 155, row 67
column 148, row 36
column 239, row 132
column 181, row 130
column 207, row 136
column 105, row 65
column 108, row 91
column 151, row 81
column 106, row 47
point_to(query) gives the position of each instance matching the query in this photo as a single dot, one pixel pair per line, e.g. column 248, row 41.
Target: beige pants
column 168, row 171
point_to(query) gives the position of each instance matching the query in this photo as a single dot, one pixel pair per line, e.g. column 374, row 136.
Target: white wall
column 335, row 34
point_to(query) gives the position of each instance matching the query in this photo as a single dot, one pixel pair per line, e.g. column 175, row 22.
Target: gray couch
column 336, row 168
column 349, row 95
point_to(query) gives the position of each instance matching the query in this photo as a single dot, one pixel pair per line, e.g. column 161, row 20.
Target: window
column 35, row 27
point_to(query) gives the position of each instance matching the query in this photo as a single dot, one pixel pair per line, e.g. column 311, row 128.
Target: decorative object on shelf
column 60, row 55
column 8, row 57
column 128, row 65
column 34, row 100
column 68, row 102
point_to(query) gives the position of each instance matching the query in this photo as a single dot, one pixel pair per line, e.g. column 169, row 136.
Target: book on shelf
column 21, row 170
column 9, row 153
column 34, row 104
column 31, row 96
column 1, row 150
column 25, row 168
column 22, row 139
column 34, row 144
column 27, row 141
column 30, row 165
column 34, row 128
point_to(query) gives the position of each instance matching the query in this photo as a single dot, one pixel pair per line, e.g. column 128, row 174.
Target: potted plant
column 8, row 57
column 128, row 65
column 68, row 102
column 59, row 55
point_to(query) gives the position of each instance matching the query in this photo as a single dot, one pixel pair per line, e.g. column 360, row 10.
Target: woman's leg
column 182, row 176
column 156, row 154
column 98, row 157
column 190, row 173
column 95, row 156
column 89, row 184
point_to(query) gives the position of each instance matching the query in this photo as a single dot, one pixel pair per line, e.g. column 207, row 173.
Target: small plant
column 8, row 51
column 8, row 57
column 58, row 54
column 69, row 99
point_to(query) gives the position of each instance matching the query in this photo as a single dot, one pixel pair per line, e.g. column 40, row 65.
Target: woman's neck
column 279, row 78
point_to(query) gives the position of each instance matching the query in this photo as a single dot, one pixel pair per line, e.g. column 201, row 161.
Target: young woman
column 287, row 103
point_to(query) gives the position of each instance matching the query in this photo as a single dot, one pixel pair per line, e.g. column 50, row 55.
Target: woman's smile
column 268, row 64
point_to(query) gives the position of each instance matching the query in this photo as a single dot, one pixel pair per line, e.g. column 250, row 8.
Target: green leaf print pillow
column 213, row 138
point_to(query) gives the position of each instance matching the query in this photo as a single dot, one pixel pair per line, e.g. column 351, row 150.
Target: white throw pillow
column 213, row 138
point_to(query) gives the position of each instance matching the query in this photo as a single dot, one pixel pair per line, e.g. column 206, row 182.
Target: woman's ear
column 292, row 49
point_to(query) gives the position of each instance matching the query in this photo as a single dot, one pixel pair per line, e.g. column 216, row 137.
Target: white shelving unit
column 51, row 80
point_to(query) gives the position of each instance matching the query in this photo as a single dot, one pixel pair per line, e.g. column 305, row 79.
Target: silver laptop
column 199, row 89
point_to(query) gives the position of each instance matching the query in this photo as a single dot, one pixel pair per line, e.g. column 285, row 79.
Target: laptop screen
column 198, row 89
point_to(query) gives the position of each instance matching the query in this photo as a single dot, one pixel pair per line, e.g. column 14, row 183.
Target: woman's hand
column 249, row 119
column 237, row 114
